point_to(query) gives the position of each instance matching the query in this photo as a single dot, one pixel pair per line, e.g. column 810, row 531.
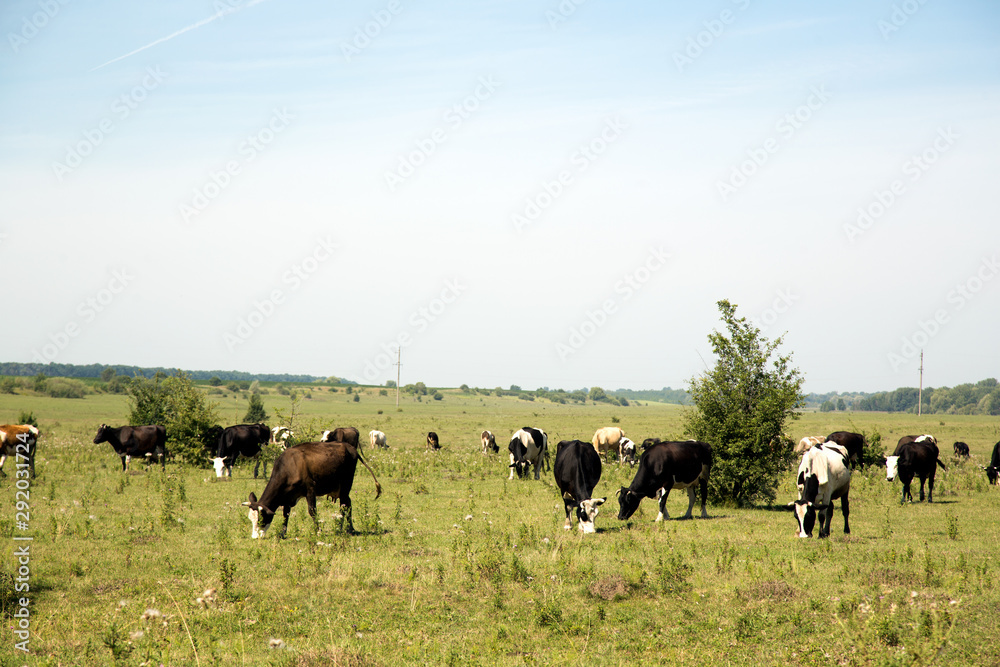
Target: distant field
column 457, row 565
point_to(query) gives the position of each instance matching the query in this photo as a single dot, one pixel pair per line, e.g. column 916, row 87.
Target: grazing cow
column 489, row 442
column 308, row 470
column 629, row 452
column 961, row 449
column 377, row 439
column 18, row 440
column 665, row 466
column 578, row 470
column 280, row 435
column 129, row 441
column 993, row 471
column 347, row 434
column 528, row 447
column 240, row 440
column 854, row 443
column 807, row 443
column 907, row 439
column 432, row 441
column 610, row 439
column 918, row 457
column 824, row 476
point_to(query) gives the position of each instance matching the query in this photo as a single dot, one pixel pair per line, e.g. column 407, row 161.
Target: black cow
column 240, row 440
column 528, row 447
column 961, row 449
column 649, row 442
column 432, row 441
column 308, row 470
column 665, row 466
column 918, row 457
column 993, row 471
column 854, row 443
column 347, row 434
column 129, row 441
column 578, row 470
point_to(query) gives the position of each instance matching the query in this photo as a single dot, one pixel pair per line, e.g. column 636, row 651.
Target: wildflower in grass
column 276, row 643
column 151, row 614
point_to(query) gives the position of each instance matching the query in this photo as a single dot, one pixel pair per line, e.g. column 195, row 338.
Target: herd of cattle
column 326, row 468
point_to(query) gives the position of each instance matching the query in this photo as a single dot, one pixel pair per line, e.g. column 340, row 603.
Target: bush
column 65, row 388
column 175, row 403
column 255, row 411
column 740, row 408
column 438, row 396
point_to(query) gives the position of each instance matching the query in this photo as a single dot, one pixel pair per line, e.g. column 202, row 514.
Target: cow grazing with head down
column 666, row 466
column 807, row 443
column 854, row 443
column 528, row 447
column 919, row 457
column 432, row 441
column 993, row 469
column 280, row 435
column 19, row 441
column 240, row 440
column 309, row 470
column 609, row 439
column 347, row 434
column 130, row 441
column 377, row 439
column 961, row 449
column 824, row 476
column 577, row 471
column 489, row 442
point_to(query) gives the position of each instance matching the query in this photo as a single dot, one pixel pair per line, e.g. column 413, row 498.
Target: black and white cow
column 577, row 471
column 824, row 476
column 854, row 443
column 961, row 449
column 528, row 447
column 993, row 470
column 489, row 442
column 309, row 470
column 665, row 466
column 240, row 440
column 914, row 457
column 129, row 441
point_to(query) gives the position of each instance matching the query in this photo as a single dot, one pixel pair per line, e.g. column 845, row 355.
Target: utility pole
column 399, row 357
column 920, row 393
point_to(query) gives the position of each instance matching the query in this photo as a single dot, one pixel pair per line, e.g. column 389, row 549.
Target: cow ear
column 599, row 501
column 253, row 497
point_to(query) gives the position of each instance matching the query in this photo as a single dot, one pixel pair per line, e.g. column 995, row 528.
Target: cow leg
column 125, row 461
column 825, row 517
column 845, row 507
column 930, row 487
column 664, row 492
column 703, row 483
column 511, row 467
column 691, row 496
column 569, row 521
column 922, row 482
column 256, row 466
column 287, row 511
column 3, row 458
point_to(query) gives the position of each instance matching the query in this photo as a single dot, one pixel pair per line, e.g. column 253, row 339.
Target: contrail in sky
column 218, row 15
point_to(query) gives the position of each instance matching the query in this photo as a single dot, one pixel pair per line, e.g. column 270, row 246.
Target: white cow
column 377, row 438
column 280, row 435
column 824, row 476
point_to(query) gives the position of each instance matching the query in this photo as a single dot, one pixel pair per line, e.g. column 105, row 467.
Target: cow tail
column 941, row 463
column 378, row 487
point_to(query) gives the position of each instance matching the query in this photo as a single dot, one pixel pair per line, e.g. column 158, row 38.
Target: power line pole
column 399, row 357
column 920, row 394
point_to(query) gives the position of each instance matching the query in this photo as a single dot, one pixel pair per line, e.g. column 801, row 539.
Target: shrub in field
column 179, row 406
column 740, row 408
column 65, row 388
column 256, row 414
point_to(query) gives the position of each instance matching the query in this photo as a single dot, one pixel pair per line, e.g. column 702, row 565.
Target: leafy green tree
column 826, row 406
column 740, row 408
column 391, row 384
column 597, row 394
column 841, row 405
column 214, row 381
column 107, row 374
column 255, row 411
column 514, row 387
column 438, row 396
column 179, row 406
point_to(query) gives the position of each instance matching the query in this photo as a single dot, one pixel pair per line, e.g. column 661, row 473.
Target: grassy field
column 457, row 565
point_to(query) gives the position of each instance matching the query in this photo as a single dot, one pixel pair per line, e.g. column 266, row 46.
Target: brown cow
column 18, row 440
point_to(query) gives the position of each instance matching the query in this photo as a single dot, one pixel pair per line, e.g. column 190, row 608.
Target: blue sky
column 540, row 194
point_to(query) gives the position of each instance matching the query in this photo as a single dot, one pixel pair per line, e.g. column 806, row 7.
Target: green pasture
column 456, row 565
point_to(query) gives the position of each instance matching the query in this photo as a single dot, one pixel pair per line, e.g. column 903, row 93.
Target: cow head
column 805, row 518
column 628, row 503
column 263, row 433
column 102, row 434
column 628, row 450
column 587, row 512
column 260, row 517
column 993, row 474
column 891, row 467
column 518, row 452
column 221, row 469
